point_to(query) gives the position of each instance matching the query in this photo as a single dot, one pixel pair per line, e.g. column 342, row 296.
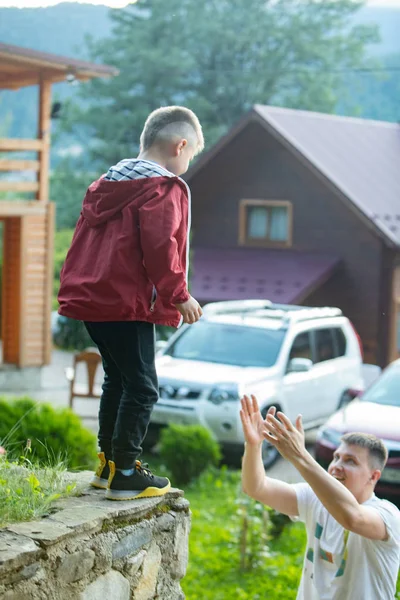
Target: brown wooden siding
column 26, row 288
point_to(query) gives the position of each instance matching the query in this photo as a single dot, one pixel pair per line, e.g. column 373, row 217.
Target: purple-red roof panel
column 252, row 273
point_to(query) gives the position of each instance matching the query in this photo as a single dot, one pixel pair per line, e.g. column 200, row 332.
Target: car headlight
column 330, row 435
column 224, row 392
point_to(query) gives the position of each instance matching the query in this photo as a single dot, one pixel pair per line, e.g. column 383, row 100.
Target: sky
column 120, row 3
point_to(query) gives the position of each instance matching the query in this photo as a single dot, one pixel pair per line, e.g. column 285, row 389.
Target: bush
column 55, row 434
column 62, row 242
column 187, row 451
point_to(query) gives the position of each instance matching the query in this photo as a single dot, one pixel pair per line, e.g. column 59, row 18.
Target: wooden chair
column 92, row 358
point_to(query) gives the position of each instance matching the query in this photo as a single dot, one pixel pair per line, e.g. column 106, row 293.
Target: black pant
column 130, row 387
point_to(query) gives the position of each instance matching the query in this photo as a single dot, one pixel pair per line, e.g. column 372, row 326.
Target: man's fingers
column 275, row 426
column 270, row 436
column 299, row 424
column 254, row 403
column 284, row 419
column 246, row 404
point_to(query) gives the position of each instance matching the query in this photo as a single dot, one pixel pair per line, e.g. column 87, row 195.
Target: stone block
column 180, row 504
column 22, row 574
column 102, row 547
column 131, row 543
column 134, row 563
column 16, row 550
column 75, row 566
column 113, row 586
column 181, row 550
column 47, row 532
column 80, row 518
column 165, row 522
column 146, row 588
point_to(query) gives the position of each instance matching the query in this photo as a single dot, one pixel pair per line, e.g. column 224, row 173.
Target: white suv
column 301, row 360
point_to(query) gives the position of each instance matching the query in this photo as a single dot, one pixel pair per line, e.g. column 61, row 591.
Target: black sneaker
column 141, row 484
column 100, row 478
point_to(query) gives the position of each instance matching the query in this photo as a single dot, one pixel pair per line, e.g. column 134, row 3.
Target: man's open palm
column 252, row 420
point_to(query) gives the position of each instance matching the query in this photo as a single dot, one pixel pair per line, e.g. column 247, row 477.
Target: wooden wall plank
column 19, row 186
column 16, row 145
column 19, row 165
column 11, row 290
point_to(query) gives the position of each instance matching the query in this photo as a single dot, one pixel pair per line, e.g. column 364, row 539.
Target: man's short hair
column 170, row 123
column 377, row 450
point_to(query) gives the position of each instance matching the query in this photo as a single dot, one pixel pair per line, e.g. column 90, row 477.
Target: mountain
column 62, row 29
column 388, row 20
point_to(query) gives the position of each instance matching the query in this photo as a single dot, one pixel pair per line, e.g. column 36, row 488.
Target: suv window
column 301, row 347
column 229, row 344
column 324, row 345
column 340, row 341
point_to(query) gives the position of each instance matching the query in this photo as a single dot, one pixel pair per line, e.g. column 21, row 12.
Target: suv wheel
column 269, row 453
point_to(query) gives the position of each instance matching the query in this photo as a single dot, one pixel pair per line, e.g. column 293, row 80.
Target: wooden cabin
column 27, row 214
column 302, row 207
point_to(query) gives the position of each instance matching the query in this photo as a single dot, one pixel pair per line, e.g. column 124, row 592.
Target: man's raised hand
column 287, row 438
column 252, row 421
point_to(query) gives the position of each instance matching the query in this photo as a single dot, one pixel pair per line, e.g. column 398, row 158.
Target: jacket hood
column 105, row 198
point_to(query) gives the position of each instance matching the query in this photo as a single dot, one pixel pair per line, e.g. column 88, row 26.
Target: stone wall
column 90, row 548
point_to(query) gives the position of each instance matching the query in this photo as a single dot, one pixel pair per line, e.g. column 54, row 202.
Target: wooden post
column 44, row 135
column 48, row 287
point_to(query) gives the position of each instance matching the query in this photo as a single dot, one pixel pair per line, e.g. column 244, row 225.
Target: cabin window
column 265, row 223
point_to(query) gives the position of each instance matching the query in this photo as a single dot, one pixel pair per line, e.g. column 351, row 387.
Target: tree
column 218, row 57
column 376, row 92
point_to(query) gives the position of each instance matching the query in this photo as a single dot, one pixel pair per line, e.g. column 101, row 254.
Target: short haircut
column 377, row 450
column 170, row 123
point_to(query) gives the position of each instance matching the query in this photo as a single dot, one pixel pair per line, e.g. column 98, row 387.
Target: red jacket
column 129, row 255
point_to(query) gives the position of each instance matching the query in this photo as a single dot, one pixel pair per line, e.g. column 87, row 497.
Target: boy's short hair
column 377, row 450
column 169, row 123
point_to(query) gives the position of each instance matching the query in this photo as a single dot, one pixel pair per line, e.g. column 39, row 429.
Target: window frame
column 245, row 240
column 308, row 332
column 315, row 344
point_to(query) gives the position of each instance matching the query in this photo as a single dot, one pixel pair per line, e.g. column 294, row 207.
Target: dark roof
column 242, row 273
column 359, row 158
column 20, row 67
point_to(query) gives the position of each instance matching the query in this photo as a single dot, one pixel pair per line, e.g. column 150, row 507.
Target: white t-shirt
column 339, row 565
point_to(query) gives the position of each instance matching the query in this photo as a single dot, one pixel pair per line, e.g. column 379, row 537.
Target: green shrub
column 187, row 451
column 55, row 434
column 62, row 242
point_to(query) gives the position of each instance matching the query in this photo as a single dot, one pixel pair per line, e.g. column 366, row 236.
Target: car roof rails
column 236, row 307
column 268, row 309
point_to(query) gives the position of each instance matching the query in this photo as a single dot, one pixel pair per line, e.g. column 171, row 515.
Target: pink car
column 375, row 411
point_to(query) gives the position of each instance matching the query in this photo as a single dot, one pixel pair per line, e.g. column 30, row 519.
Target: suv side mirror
column 299, row 365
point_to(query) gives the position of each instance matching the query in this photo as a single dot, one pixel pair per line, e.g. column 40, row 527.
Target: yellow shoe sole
column 150, row 492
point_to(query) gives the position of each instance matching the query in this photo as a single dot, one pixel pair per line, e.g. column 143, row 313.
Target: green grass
column 214, row 571
column 27, row 491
